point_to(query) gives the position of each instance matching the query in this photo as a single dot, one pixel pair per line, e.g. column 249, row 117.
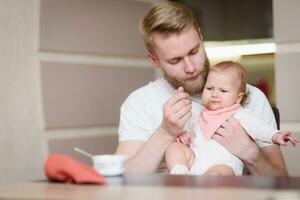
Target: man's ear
column 240, row 97
column 153, row 59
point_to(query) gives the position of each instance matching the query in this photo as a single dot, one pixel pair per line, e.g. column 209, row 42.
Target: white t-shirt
column 142, row 111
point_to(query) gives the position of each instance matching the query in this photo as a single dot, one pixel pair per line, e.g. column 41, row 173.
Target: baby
column 223, row 95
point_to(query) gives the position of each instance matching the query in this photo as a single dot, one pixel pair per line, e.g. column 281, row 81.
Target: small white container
column 109, row 164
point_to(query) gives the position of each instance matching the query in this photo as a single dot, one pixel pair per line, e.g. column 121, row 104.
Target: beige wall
column 287, row 72
column 22, row 141
column 84, row 95
column 91, row 58
column 61, row 62
column 93, row 26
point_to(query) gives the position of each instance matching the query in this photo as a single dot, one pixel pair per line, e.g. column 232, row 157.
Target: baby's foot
column 179, row 170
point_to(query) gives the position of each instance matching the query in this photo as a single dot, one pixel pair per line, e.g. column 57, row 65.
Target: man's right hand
column 176, row 112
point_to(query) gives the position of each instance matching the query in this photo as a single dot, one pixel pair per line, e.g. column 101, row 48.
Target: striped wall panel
column 92, row 26
column 87, row 95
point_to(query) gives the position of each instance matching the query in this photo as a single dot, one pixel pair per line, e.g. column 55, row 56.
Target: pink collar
column 211, row 120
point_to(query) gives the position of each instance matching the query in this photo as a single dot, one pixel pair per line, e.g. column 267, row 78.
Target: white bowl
column 109, row 164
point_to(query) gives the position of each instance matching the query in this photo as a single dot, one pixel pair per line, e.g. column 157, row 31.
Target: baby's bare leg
column 179, row 158
column 220, row 170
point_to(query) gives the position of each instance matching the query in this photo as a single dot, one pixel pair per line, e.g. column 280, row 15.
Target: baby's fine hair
column 221, row 66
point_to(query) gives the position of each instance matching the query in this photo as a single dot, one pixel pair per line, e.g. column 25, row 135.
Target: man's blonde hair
column 166, row 17
column 241, row 73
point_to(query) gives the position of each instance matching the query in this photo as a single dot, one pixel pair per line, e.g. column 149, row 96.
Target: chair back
column 277, row 116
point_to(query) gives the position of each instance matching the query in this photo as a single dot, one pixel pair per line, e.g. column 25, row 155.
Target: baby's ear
column 240, row 97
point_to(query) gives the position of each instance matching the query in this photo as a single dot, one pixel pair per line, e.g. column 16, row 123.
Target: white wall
column 287, row 72
column 22, row 141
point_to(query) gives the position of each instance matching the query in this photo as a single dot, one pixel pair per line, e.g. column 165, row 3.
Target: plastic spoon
column 83, row 152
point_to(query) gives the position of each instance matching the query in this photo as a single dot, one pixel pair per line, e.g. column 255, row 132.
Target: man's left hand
column 235, row 139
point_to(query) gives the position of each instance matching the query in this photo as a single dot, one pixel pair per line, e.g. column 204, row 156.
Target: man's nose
column 189, row 66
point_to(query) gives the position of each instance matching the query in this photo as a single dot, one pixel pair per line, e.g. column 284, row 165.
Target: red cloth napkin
column 63, row 168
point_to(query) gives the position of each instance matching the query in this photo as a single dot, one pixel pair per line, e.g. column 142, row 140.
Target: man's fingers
column 180, row 105
column 221, row 131
column 233, row 120
column 181, row 117
column 182, row 121
column 180, row 89
column 177, row 97
column 217, row 137
column 230, row 122
column 184, row 111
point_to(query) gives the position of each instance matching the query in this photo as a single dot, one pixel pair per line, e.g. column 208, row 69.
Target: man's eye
column 194, row 51
column 174, row 61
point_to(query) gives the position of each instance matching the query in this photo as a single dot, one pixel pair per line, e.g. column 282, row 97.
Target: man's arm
column 145, row 156
column 265, row 161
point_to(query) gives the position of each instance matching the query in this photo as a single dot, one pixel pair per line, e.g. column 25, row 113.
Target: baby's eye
column 208, row 88
column 224, row 91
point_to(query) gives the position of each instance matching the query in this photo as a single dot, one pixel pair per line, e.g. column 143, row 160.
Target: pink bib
column 210, row 120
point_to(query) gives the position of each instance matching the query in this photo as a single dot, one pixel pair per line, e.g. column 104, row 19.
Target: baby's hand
column 283, row 137
column 185, row 138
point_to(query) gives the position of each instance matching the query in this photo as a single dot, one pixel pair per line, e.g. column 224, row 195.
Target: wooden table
column 159, row 186
column 255, row 182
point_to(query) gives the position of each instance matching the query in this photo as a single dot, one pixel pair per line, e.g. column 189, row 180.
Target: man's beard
column 194, row 87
